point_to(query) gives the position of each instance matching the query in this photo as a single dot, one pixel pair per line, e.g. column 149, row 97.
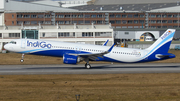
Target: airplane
column 74, row 53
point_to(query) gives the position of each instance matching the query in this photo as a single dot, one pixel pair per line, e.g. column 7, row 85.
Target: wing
column 93, row 56
column 105, row 43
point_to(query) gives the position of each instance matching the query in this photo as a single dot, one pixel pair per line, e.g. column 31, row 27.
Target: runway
column 96, row 69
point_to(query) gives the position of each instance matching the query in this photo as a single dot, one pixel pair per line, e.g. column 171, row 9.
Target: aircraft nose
column 6, row 46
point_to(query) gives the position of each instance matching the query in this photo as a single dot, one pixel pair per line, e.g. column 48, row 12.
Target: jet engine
column 71, row 59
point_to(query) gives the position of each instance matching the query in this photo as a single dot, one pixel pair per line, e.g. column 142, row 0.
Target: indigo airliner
column 74, row 53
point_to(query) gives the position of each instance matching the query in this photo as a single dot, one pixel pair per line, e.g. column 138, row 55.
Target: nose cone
column 6, row 46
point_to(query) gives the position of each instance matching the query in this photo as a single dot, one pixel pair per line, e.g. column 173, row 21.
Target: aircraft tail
column 163, row 43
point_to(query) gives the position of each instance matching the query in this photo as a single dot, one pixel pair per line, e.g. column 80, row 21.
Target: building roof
column 26, row 6
column 113, row 2
column 125, row 7
column 168, row 9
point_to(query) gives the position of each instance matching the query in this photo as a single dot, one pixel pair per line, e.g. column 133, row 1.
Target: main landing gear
column 22, row 60
column 87, row 65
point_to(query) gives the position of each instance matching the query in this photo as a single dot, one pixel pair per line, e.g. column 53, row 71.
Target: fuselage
column 58, row 49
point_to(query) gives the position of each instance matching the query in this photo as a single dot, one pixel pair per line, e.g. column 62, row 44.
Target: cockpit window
column 13, row 42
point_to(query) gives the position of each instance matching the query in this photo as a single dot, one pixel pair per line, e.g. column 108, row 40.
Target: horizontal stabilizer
column 165, row 55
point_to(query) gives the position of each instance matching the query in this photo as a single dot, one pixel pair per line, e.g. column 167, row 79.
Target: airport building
column 85, row 21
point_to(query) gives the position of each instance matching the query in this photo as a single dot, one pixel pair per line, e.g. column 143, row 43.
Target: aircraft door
column 78, row 49
column 23, row 43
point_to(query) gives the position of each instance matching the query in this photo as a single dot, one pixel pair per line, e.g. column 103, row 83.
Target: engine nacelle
column 70, row 59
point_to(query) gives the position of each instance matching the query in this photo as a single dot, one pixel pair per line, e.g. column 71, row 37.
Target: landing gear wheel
column 22, row 60
column 88, row 66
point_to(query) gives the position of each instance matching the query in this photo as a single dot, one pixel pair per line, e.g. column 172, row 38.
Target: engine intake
column 71, row 59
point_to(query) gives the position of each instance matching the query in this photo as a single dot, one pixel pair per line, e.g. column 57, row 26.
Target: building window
column 93, row 16
column 43, row 34
column 19, row 22
column 33, row 22
column 26, row 22
column 141, row 21
column 99, row 22
column 126, row 33
column 158, row 16
column 87, row 34
column 124, row 21
column 141, row 16
column 19, row 16
column 158, row 21
column 67, row 16
column 33, row 16
column 152, row 16
column 59, row 16
column 118, row 16
column 175, row 26
column 124, row 16
column 14, row 34
column 47, row 16
column 63, row 34
column 87, row 22
column 12, row 22
column 67, row 22
column 158, row 26
column 75, row 22
column 93, row 22
column 12, row 15
column 164, row 26
column 170, row 21
column 130, row 21
column 175, row 21
column 47, row 22
column 40, row 22
column 112, row 16
column 164, row 21
column 135, row 21
column 0, row 34
column 74, row 16
column 26, row 16
column 118, row 21
column 112, row 22
column 80, row 22
column 136, row 15
column 164, row 15
column 99, row 16
column 175, row 15
column 170, row 16
column 130, row 15
column 87, row 16
column 170, row 26
column 152, row 21
column 152, row 26
column 40, row 16
column 80, row 16
column 60, row 22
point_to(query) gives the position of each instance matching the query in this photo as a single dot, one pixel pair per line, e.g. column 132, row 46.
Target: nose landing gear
column 22, row 60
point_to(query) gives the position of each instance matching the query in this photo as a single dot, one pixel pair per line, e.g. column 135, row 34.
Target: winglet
column 110, row 49
column 105, row 43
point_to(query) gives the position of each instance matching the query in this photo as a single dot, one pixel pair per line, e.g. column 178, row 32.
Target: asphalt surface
column 95, row 69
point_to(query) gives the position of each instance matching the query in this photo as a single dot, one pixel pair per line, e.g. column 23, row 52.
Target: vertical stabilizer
column 163, row 43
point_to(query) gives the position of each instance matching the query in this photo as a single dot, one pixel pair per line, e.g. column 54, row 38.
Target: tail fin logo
column 166, row 34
